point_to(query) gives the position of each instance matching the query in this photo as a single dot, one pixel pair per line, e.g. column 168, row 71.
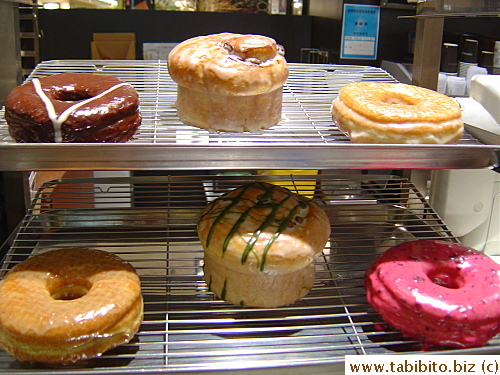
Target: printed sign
column 360, row 32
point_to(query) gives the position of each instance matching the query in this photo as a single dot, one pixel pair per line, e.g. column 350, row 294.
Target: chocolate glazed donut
column 73, row 107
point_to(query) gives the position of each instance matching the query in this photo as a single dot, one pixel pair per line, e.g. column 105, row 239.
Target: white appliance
column 469, row 200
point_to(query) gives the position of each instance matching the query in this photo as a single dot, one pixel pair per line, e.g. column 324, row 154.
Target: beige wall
column 326, row 8
column 89, row 4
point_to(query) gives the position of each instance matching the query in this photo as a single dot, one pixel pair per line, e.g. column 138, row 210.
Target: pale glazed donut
column 261, row 242
column 68, row 305
column 438, row 292
column 380, row 112
column 229, row 82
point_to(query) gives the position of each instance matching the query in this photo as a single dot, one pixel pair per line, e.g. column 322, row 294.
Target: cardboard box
column 113, row 46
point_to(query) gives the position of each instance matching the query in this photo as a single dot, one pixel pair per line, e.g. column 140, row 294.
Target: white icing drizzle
column 57, row 121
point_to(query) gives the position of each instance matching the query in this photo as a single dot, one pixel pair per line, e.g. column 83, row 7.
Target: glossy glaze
column 438, row 292
column 257, row 212
column 381, row 112
column 67, row 305
column 229, row 64
column 73, row 107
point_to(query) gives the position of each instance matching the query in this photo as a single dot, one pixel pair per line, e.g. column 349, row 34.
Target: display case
column 151, row 222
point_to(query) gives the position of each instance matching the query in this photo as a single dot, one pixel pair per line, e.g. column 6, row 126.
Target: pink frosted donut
column 437, row 292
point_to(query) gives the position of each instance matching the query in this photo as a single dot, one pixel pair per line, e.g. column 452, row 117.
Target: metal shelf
column 453, row 15
column 305, row 139
column 151, row 222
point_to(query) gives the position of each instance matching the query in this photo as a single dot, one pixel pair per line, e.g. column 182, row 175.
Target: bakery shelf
column 457, row 8
column 151, row 222
column 305, row 139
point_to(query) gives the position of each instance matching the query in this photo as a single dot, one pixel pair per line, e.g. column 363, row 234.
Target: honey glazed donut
column 437, row 292
column 68, row 305
column 73, row 107
column 382, row 112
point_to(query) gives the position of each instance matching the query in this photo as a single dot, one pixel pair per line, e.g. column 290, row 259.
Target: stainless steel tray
column 306, row 137
column 151, row 222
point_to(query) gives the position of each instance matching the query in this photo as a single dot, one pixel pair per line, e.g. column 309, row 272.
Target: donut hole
column 71, row 95
column 448, row 277
column 396, row 100
column 70, row 290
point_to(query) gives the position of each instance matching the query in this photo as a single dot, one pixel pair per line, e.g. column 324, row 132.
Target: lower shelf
column 151, row 222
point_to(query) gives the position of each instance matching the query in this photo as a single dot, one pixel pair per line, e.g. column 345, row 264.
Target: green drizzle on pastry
column 264, row 200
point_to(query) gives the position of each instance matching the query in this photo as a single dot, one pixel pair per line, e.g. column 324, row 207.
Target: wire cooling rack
column 307, row 97
column 305, row 136
column 151, row 222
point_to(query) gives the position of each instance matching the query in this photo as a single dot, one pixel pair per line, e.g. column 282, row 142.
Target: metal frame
column 306, row 138
column 151, row 222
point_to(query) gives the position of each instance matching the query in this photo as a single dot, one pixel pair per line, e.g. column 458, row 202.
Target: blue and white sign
column 360, row 32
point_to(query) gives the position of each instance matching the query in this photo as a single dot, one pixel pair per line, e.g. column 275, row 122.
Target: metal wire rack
column 164, row 142
column 305, row 119
column 151, row 222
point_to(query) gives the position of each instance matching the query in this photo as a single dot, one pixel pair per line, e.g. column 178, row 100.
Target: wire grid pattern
column 307, row 98
column 151, row 222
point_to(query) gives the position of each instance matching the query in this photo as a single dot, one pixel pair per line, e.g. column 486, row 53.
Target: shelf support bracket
column 427, row 55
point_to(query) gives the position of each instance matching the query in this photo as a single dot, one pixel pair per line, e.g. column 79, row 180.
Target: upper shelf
column 457, row 8
column 305, row 139
column 21, row 2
